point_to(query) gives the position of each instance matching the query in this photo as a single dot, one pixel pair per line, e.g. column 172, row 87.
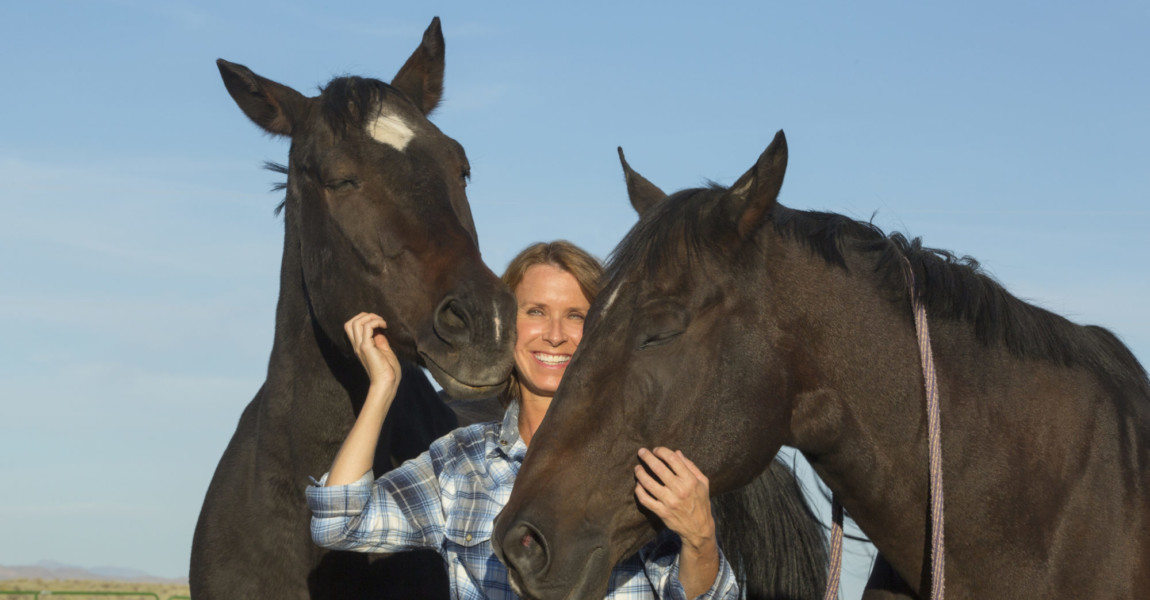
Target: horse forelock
column 359, row 104
column 675, row 233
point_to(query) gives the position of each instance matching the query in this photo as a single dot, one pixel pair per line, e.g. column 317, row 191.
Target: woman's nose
column 555, row 335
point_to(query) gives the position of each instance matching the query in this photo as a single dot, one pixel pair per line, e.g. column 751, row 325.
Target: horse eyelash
column 335, row 185
column 659, row 339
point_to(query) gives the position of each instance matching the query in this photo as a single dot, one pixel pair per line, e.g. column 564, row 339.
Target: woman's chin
column 540, row 386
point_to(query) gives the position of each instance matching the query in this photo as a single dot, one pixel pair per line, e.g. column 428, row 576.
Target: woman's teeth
column 552, row 359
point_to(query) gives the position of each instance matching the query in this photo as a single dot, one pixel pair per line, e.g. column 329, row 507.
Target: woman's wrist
column 700, row 544
column 381, row 393
column 700, row 539
column 698, row 564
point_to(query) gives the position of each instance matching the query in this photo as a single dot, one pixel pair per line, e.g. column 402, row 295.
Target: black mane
column 692, row 222
column 957, row 288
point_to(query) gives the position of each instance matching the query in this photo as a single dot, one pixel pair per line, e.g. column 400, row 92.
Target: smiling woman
column 447, row 498
column 549, row 321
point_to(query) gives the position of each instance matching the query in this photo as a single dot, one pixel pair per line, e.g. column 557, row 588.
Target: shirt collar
column 510, row 444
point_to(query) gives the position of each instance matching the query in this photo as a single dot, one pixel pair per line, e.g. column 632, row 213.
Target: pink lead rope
column 934, row 443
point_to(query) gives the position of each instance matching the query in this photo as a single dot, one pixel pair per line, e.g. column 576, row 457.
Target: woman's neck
column 532, row 409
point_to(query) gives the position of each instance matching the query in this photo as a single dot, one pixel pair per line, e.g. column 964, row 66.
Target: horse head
column 376, row 203
column 672, row 355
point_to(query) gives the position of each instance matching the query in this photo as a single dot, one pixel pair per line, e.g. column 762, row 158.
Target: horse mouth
column 587, row 582
column 457, row 388
column 582, row 588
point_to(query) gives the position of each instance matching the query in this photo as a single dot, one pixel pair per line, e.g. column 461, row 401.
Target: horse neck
column 854, row 352
column 860, row 420
column 311, row 392
column 857, row 407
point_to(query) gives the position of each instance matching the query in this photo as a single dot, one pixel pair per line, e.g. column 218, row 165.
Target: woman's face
column 549, row 325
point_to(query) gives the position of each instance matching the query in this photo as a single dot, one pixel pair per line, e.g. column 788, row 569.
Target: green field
column 122, row 589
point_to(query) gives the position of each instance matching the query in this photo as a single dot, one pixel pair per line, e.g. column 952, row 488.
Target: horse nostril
column 452, row 317
column 452, row 322
column 529, row 555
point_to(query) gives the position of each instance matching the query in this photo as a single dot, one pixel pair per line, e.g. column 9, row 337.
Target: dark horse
column 376, row 219
column 730, row 325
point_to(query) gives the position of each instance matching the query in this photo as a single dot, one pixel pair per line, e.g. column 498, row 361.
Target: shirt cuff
column 339, row 500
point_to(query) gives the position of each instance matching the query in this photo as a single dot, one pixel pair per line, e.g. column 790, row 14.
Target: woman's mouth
column 552, row 360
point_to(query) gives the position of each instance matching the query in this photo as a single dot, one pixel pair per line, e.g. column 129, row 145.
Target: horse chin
column 461, row 390
column 592, row 581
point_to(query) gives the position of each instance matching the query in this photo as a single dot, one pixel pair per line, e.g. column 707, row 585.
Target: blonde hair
column 586, row 269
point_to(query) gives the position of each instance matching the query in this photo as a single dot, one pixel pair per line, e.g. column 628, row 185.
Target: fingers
column 693, row 469
column 676, row 475
column 650, row 502
column 659, row 461
column 677, row 492
column 365, row 331
column 649, row 484
column 362, row 327
column 675, row 478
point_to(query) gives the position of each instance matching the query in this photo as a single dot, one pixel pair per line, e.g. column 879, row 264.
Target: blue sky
column 139, row 253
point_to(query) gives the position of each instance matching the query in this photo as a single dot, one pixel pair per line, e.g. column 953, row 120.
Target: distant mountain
column 50, row 569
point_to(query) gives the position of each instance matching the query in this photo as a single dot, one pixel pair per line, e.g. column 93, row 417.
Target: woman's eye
column 576, row 316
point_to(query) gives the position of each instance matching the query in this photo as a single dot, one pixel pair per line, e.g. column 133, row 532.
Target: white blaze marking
column 390, row 130
column 498, row 322
column 611, row 299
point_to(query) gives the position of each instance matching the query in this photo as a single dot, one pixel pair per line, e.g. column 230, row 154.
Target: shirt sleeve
column 661, row 562
column 402, row 510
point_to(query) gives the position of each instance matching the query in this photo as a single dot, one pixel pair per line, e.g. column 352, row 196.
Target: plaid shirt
column 447, row 499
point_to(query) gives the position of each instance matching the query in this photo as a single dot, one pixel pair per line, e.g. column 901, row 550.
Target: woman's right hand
column 357, row 453
column 365, row 331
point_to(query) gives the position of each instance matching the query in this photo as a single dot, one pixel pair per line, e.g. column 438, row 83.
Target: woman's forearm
column 356, row 455
column 698, row 565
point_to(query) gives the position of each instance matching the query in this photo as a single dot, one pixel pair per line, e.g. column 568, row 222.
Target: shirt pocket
column 468, row 548
column 470, row 529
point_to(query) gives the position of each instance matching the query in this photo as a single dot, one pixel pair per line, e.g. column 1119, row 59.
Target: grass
column 163, row 590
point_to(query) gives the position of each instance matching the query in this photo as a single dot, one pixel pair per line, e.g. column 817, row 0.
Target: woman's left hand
column 680, row 496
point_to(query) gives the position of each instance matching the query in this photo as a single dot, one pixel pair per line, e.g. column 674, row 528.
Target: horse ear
column 270, row 105
column 644, row 194
column 421, row 77
column 757, row 191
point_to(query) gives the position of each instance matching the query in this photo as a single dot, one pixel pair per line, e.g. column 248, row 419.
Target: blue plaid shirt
column 447, row 499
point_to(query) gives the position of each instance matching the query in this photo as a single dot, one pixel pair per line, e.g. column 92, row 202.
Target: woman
column 447, row 498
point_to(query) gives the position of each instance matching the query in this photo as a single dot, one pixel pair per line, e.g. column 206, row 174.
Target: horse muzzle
column 470, row 344
column 528, row 558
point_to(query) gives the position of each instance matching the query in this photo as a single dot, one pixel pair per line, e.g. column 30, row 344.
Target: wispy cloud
column 147, row 216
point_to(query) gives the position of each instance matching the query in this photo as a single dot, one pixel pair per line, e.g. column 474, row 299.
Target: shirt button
column 469, row 537
column 502, row 442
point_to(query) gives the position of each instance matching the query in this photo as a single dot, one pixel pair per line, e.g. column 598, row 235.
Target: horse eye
column 466, row 175
column 662, row 322
column 342, row 184
column 660, row 338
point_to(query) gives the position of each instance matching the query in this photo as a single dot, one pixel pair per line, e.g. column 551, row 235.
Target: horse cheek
column 752, row 414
